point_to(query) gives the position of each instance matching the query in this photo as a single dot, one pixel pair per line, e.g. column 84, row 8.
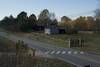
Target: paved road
column 72, row 56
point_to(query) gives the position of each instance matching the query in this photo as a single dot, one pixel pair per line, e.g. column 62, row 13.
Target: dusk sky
column 71, row 8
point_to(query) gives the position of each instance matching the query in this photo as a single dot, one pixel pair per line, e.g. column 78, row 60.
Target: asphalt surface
column 77, row 58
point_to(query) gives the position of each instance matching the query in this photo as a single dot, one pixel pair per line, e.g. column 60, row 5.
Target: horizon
column 70, row 8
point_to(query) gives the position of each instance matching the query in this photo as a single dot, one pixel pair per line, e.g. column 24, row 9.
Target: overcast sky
column 71, row 8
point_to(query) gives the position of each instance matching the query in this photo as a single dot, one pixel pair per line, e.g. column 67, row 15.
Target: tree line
column 32, row 23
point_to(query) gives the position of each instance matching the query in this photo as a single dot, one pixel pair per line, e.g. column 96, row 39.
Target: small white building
column 54, row 29
column 51, row 30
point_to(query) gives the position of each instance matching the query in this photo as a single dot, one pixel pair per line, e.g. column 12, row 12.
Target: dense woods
column 31, row 23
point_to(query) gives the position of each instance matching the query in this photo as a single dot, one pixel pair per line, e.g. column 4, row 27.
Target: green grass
column 58, row 40
column 91, row 41
column 7, row 45
column 41, row 62
column 45, row 62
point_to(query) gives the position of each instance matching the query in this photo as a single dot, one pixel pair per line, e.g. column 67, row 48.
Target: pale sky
column 71, row 8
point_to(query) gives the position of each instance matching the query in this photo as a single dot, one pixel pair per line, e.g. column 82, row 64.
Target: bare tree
column 97, row 13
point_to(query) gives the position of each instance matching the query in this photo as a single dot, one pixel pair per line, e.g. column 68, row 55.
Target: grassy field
column 10, row 61
column 7, row 45
column 91, row 41
column 53, row 63
column 57, row 40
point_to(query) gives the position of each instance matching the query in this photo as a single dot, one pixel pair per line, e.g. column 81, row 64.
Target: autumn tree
column 65, row 19
column 66, row 22
column 89, row 22
column 82, row 23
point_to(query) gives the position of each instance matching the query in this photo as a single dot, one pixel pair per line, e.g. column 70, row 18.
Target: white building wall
column 47, row 31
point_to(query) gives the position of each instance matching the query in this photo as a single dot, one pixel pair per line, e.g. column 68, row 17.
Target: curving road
column 74, row 58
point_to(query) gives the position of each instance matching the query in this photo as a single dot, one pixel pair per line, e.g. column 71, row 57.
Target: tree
column 97, row 14
column 44, row 14
column 89, row 21
column 96, row 25
column 54, row 22
column 32, row 18
column 5, row 21
column 32, row 22
column 53, row 19
column 66, row 22
column 44, row 18
column 65, row 19
column 11, row 17
column 81, row 23
column 8, row 22
column 22, row 18
column 52, row 16
column 26, row 24
column 22, row 15
column 21, row 48
column 97, row 20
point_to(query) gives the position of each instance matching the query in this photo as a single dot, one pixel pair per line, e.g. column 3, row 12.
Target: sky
column 70, row 8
